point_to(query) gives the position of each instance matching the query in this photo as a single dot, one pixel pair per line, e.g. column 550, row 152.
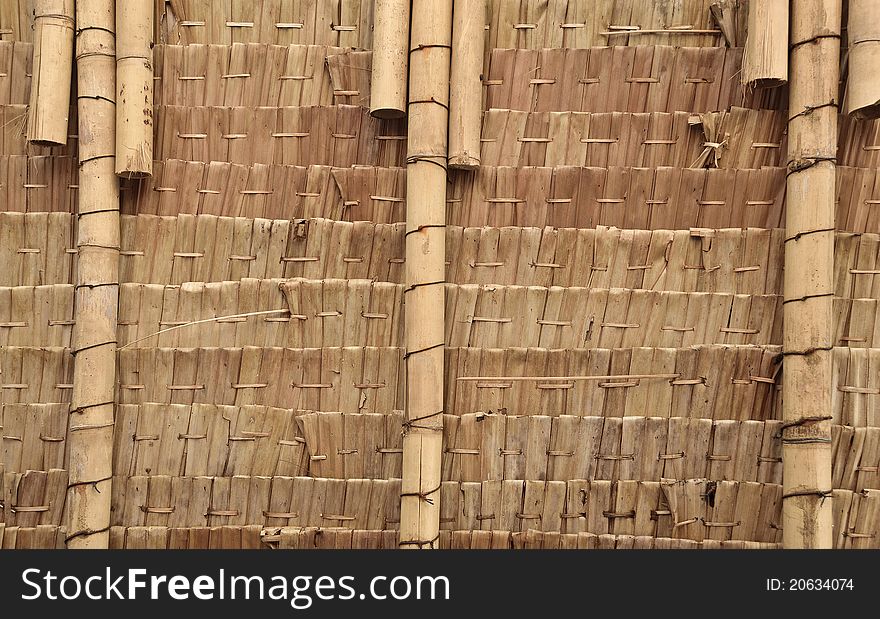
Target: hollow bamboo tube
column 466, row 86
column 134, row 88
column 53, row 63
column 809, row 274
column 390, row 58
column 425, row 271
column 90, row 431
column 863, row 84
column 765, row 60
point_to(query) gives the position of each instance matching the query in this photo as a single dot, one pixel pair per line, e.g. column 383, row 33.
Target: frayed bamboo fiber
column 425, row 271
column 863, row 85
column 765, row 62
column 809, row 274
column 134, row 88
column 465, row 86
column 53, row 63
column 90, row 433
column 390, row 59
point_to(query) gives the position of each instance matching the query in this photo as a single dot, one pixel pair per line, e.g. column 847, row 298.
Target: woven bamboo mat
column 173, row 250
column 344, row 23
column 165, row 538
column 340, row 136
column 16, row 20
column 34, row 436
column 33, row 498
column 30, row 375
column 640, row 78
column 15, row 71
column 249, row 75
column 25, row 538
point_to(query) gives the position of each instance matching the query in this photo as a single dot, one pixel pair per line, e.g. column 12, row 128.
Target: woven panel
column 339, row 136
column 248, row 75
column 344, row 23
column 337, row 379
column 16, row 20
column 13, row 133
column 36, row 248
column 15, row 71
column 33, row 498
column 165, row 538
column 857, row 519
column 739, row 138
column 31, row 538
column 30, row 375
column 234, row 190
column 269, row 501
column 34, row 437
column 204, row 439
column 632, row 79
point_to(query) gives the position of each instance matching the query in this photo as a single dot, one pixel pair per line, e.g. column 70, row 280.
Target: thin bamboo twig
column 424, row 293
column 52, row 67
column 809, row 274
column 97, row 281
column 204, row 321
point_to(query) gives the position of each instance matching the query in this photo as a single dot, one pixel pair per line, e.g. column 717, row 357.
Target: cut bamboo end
column 134, row 88
column 465, row 84
column 390, row 59
column 765, row 61
column 863, row 85
column 48, row 112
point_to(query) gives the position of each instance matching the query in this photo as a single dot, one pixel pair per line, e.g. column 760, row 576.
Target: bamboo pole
column 466, row 86
column 424, row 294
column 134, row 88
column 863, row 85
column 390, row 58
column 809, row 274
column 90, row 433
column 52, row 67
column 765, row 60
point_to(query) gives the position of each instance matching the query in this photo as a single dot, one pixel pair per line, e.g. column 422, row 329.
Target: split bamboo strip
column 465, row 85
column 863, row 85
column 765, row 63
column 809, row 274
column 390, row 58
column 428, row 117
column 97, row 282
column 52, row 67
column 134, row 88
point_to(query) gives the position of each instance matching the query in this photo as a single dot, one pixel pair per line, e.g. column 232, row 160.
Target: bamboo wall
column 613, row 305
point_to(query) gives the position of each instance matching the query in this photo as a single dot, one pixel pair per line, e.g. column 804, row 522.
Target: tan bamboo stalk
column 465, row 85
column 90, row 433
column 809, row 274
column 425, row 271
column 53, row 63
column 390, row 58
column 765, row 60
column 134, row 88
column 863, row 84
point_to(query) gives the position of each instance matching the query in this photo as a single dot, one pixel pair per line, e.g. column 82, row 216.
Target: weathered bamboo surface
column 46, row 536
column 33, row 498
column 52, row 67
column 29, row 375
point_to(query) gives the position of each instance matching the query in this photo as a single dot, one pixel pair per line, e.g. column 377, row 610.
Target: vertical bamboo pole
column 809, row 273
column 424, row 295
column 90, row 433
column 390, row 58
column 53, row 63
column 466, row 85
column 134, row 88
column 765, row 61
column 863, row 85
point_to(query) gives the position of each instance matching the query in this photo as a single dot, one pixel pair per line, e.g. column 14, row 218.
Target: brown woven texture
column 44, row 536
column 16, row 60
column 16, row 20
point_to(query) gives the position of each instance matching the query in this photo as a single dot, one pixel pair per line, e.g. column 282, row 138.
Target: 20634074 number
column 810, row 584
